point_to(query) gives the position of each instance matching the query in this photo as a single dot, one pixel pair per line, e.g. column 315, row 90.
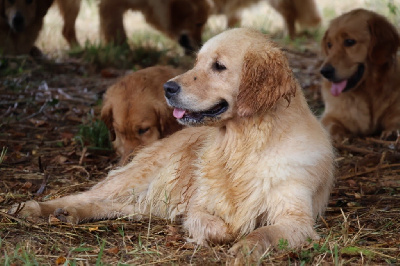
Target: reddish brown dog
column 361, row 89
column 304, row 12
column 180, row 20
column 135, row 110
column 20, row 25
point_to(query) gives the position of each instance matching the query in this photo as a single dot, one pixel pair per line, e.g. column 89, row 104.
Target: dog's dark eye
column 349, row 42
column 143, row 130
column 200, row 24
column 29, row 2
column 218, row 66
column 329, row 44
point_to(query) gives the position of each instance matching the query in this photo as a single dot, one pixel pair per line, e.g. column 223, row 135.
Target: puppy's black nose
column 328, row 71
column 171, row 88
column 18, row 22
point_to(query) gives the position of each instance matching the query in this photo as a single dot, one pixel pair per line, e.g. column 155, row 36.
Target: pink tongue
column 178, row 113
column 337, row 88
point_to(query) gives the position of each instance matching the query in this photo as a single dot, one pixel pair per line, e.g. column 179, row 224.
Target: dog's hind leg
column 111, row 20
column 69, row 10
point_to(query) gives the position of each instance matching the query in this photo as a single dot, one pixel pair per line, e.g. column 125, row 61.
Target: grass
column 93, row 134
column 3, row 154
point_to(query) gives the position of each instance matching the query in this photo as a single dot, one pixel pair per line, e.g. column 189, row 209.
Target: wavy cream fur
column 263, row 174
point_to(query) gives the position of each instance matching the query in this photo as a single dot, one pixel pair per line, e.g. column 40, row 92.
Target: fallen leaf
column 91, row 229
column 60, row 260
column 113, row 250
column 37, row 122
column 27, row 185
column 109, row 73
column 53, row 220
column 60, row 159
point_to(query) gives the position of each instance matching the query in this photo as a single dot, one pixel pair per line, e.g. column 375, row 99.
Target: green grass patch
column 94, row 134
column 145, row 49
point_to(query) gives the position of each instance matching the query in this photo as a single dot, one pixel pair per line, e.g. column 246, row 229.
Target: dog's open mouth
column 347, row 84
column 197, row 116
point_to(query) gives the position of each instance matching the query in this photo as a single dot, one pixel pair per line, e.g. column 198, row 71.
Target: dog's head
column 187, row 20
column 21, row 13
column 237, row 73
column 354, row 43
column 135, row 111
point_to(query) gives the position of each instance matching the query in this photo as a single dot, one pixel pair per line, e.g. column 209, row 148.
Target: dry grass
column 44, row 103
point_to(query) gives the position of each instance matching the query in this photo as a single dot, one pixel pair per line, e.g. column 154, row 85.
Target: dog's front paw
column 391, row 135
column 67, row 215
column 247, row 252
column 29, row 210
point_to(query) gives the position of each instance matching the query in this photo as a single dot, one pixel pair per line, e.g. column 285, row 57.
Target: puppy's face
column 19, row 13
column 187, row 22
column 233, row 76
column 131, row 125
column 133, row 120
column 354, row 44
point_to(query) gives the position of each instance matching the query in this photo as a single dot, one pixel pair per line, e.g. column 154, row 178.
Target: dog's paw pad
column 66, row 215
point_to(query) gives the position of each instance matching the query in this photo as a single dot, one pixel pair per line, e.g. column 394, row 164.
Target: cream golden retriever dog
column 135, row 111
column 257, row 168
column 361, row 89
column 303, row 12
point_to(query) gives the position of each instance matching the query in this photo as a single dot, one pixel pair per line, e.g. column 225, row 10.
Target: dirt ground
column 45, row 102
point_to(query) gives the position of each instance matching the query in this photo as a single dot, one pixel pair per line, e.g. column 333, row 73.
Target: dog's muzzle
column 18, row 22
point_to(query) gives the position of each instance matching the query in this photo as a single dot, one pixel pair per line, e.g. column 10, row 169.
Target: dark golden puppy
column 135, row 111
column 361, row 89
column 248, row 172
column 20, row 24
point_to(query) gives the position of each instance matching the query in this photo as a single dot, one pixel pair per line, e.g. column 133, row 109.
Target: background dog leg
column 69, row 10
column 111, row 21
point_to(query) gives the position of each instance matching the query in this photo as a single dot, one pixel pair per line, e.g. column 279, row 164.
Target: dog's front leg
column 74, row 208
column 257, row 243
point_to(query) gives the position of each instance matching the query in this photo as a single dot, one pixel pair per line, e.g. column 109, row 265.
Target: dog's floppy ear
column 167, row 123
column 266, row 77
column 2, row 9
column 323, row 43
column 42, row 6
column 384, row 40
column 107, row 117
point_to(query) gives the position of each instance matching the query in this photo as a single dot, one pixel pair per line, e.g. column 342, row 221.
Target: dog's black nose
column 171, row 88
column 328, row 71
column 18, row 22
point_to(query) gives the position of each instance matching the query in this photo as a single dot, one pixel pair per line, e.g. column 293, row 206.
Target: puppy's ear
column 2, row 9
column 42, row 6
column 324, row 47
column 107, row 117
column 384, row 40
column 266, row 77
column 167, row 122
